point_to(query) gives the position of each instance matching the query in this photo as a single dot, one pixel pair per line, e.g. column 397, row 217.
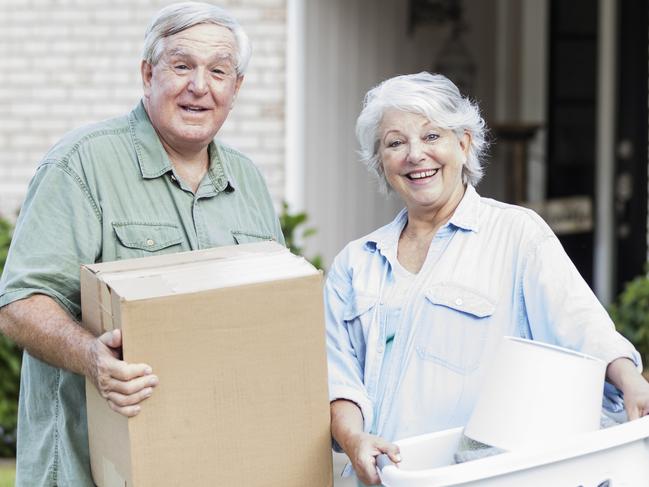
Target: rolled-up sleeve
column 345, row 370
column 58, row 229
column 562, row 309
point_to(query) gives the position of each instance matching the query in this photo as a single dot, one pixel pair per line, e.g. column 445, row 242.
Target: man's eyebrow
column 179, row 52
column 176, row 51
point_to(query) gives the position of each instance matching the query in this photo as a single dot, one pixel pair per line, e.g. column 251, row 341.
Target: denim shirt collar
column 464, row 217
column 153, row 159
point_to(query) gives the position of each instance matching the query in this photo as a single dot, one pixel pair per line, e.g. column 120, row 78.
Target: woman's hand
column 361, row 448
column 635, row 389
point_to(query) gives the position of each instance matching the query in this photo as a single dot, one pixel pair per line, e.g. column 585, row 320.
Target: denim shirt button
column 459, row 301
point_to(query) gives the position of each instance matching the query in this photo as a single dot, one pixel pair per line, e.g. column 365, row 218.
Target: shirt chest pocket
column 456, row 334
column 359, row 317
column 145, row 239
column 243, row 236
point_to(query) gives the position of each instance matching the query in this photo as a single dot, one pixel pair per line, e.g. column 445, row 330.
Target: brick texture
column 71, row 62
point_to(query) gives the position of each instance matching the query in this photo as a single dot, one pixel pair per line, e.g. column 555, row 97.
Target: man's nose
column 198, row 82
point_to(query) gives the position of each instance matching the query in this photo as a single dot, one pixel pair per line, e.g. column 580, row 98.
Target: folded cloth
column 470, row 449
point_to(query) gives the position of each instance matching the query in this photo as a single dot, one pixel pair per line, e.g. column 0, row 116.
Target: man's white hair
column 180, row 16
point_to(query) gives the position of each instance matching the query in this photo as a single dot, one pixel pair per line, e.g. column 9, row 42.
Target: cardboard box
column 236, row 336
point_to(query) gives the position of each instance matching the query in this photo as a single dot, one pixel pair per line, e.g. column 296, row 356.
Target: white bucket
column 535, row 393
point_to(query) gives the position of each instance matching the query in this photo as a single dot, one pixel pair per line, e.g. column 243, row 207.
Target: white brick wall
column 69, row 62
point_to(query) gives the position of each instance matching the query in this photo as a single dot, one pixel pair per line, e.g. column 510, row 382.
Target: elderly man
column 151, row 182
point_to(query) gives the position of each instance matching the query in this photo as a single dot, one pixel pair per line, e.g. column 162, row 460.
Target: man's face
column 190, row 91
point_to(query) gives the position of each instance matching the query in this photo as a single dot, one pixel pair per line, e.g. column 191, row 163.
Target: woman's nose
column 416, row 152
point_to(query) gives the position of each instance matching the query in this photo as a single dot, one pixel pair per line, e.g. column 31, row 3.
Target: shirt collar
column 153, row 159
column 466, row 213
column 464, row 217
column 387, row 236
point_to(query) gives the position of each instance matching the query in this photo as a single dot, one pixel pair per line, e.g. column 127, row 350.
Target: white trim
column 295, row 101
column 603, row 263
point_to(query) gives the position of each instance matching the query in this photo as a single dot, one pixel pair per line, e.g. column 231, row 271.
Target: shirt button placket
column 201, row 234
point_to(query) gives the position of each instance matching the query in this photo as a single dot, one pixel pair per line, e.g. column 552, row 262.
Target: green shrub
column 291, row 223
column 630, row 312
column 10, row 359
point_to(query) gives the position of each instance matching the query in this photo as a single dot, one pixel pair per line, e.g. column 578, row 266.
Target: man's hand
column 123, row 385
column 47, row 332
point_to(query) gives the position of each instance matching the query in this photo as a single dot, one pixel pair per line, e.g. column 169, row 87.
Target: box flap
column 198, row 271
column 224, row 252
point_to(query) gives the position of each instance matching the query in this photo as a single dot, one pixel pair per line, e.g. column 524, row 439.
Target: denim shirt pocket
column 143, row 239
column 245, row 236
column 358, row 317
column 359, row 306
column 459, row 327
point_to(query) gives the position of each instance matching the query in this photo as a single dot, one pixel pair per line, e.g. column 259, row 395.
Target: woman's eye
column 181, row 67
column 395, row 143
column 431, row 137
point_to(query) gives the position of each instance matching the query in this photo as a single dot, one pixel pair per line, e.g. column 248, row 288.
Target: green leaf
column 630, row 313
column 291, row 224
column 10, row 361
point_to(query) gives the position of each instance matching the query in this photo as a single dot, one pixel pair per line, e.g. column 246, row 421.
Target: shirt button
column 150, row 243
column 459, row 301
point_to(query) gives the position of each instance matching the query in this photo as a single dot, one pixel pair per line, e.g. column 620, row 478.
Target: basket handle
column 383, row 461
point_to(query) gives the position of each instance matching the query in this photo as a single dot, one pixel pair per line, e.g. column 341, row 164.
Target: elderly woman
column 416, row 309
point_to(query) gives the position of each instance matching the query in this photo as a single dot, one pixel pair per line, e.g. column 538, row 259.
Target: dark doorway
column 631, row 140
column 572, row 91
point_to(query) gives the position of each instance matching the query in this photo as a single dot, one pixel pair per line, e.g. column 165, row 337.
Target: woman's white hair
column 435, row 97
column 180, row 16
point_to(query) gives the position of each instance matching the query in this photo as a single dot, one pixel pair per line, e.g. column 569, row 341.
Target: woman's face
column 422, row 162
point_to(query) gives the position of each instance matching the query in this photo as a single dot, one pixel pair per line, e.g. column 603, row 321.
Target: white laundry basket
column 613, row 457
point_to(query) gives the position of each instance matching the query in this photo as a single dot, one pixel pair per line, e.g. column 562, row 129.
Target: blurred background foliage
column 10, row 361
column 630, row 313
column 295, row 233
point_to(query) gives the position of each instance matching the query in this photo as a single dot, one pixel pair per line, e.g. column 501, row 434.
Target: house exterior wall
column 70, row 62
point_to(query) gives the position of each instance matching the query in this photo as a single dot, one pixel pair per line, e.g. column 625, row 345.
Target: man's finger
column 134, row 386
column 128, row 411
column 112, row 339
column 122, row 400
column 125, row 371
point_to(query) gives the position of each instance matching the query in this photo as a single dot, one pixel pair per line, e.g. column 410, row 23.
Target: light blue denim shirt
column 493, row 270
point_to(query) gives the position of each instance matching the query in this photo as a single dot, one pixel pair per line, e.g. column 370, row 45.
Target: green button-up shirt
column 108, row 192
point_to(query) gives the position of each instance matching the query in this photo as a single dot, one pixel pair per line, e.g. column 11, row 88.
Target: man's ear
column 146, row 70
column 237, row 86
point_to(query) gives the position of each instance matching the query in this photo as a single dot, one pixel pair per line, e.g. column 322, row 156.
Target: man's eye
column 221, row 71
column 181, row 67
